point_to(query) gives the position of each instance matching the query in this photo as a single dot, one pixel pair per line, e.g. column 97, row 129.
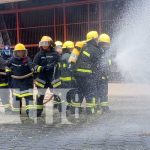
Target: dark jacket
column 21, row 67
column 64, row 72
column 48, row 60
column 88, row 60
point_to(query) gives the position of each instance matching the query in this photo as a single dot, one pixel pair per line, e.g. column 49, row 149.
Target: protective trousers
column 102, row 92
column 87, row 88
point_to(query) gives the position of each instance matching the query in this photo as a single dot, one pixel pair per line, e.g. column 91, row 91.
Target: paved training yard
column 126, row 127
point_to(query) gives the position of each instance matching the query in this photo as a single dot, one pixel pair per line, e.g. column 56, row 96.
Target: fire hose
column 22, row 77
column 26, row 76
column 48, row 99
column 18, row 77
column 3, row 73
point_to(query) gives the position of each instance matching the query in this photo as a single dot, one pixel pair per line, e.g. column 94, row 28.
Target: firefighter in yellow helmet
column 64, row 73
column 20, row 68
column 75, row 105
column 104, row 40
column 44, row 66
column 58, row 47
column 68, row 46
column 85, row 71
column 104, row 65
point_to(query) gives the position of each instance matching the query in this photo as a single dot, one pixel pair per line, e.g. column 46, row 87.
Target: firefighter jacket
column 44, row 65
column 88, row 60
column 21, row 67
column 64, row 76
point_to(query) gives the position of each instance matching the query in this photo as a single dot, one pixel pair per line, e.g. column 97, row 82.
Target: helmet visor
column 44, row 43
column 20, row 54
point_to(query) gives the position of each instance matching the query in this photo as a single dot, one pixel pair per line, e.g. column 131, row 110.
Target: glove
column 8, row 72
column 37, row 69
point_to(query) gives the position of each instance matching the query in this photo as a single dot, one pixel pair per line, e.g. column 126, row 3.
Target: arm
column 36, row 63
column 8, row 67
column 30, row 64
column 2, row 63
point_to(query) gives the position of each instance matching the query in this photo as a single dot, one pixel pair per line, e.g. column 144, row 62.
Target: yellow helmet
column 46, row 39
column 68, row 44
column 20, row 47
column 91, row 35
column 58, row 43
column 105, row 38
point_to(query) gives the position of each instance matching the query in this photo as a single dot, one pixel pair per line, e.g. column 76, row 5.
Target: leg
column 90, row 95
column 39, row 101
column 104, row 95
column 17, row 104
column 29, row 106
column 5, row 97
column 57, row 102
column 98, row 94
column 78, row 95
column 75, row 99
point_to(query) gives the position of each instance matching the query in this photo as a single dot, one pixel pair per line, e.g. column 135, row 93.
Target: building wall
column 63, row 20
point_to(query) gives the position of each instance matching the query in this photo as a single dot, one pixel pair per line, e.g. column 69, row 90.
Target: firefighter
column 76, row 102
column 64, row 73
column 66, row 51
column 104, row 65
column 66, row 77
column 58, row 47
column 44, row 62
column 20, row 68
column 6, row 54
column 85, row 71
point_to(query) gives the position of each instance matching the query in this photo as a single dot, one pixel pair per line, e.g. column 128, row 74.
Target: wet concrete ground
column 127, row 127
